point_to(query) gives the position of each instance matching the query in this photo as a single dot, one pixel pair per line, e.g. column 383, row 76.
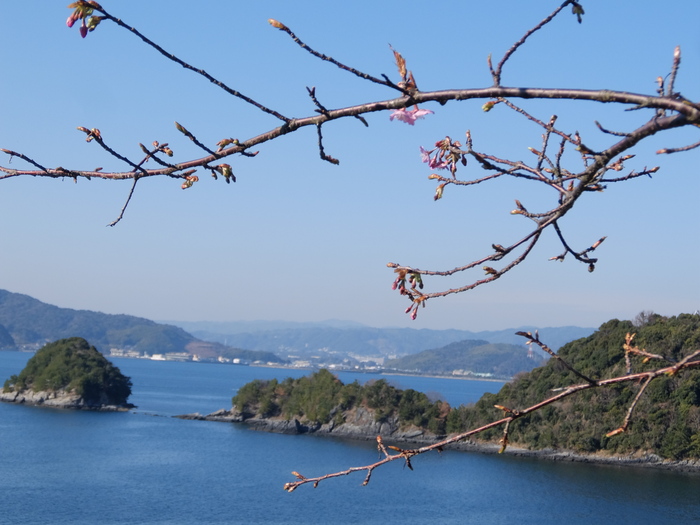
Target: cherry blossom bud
column 598, row 243
column 438, row 191
column 93, row 22
column 275, row 23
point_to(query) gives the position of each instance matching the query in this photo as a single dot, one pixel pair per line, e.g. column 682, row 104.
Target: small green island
column 665, row 427
column 69, row 373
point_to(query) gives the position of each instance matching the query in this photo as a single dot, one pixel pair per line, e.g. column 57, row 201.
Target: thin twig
column 25, row 158
column 356, row 72
column 648, row 376
column 497, row 72
column 674, row 71
column 677, row 150
column 630, row 409
column 126, row 204
column 184, row 64
column 321, row 151
column 536, row 340
column 194, row 139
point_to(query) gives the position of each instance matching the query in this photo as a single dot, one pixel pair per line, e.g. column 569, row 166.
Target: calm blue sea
column 145, row 467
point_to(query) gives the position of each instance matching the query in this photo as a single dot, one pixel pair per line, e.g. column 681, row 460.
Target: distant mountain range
column 30, row 323
column 338, row 337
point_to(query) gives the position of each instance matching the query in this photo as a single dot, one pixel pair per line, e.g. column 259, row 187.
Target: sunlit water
column 64, row 467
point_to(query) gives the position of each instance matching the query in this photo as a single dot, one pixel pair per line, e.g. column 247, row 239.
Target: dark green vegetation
column 481, row 357
column 74, row 366
column 666, row 420
column 322, row 397
column 29, row 321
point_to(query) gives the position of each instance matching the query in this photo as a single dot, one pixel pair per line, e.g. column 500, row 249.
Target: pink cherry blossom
column 435, row 162
column 72, row 18
column 409, row 116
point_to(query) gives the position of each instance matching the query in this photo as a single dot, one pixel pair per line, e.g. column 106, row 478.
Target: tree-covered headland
column 665, row 420
column 322, row 397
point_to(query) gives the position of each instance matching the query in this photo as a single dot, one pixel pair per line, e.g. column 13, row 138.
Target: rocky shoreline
column 361, row 426
column 60, row 399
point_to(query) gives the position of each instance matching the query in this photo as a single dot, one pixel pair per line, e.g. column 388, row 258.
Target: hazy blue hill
column 6, row 340
column 30, row 321
column 364, row 341
column 478, row 356
column 306, row 339
column 212, row 328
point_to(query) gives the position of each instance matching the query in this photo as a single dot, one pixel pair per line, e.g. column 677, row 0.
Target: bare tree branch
column 511, row 415
column 184, row 64
column 669, row 110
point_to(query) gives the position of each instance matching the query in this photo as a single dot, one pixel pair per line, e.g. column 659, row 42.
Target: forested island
column 665, row 426
column 69, row 373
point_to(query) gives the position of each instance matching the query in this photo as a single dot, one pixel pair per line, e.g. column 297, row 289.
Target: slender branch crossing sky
column 298, row 239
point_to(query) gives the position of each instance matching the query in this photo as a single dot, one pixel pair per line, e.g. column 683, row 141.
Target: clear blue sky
column 298, row 239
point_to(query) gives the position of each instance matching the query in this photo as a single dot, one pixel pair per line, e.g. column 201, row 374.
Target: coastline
column 416, row 438
column 59, row 400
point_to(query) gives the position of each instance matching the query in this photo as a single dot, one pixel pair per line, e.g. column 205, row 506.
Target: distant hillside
column 242, row 327
column 308, row 339
column 7, row 342
column 475, row 356
column 28, row 321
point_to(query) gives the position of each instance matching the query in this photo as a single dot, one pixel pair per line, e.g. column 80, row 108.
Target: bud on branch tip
column 275, row 23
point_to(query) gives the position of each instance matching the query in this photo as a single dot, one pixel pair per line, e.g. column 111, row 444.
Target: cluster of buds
column 81, row 11
column 189, row 179
column 408, row 283
column 413, row 309
column 618, row 165
column 92, row 133
column 226, row 171
column 163, row 148
column 445, row 155
column 225, row 142
column 404, row 275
